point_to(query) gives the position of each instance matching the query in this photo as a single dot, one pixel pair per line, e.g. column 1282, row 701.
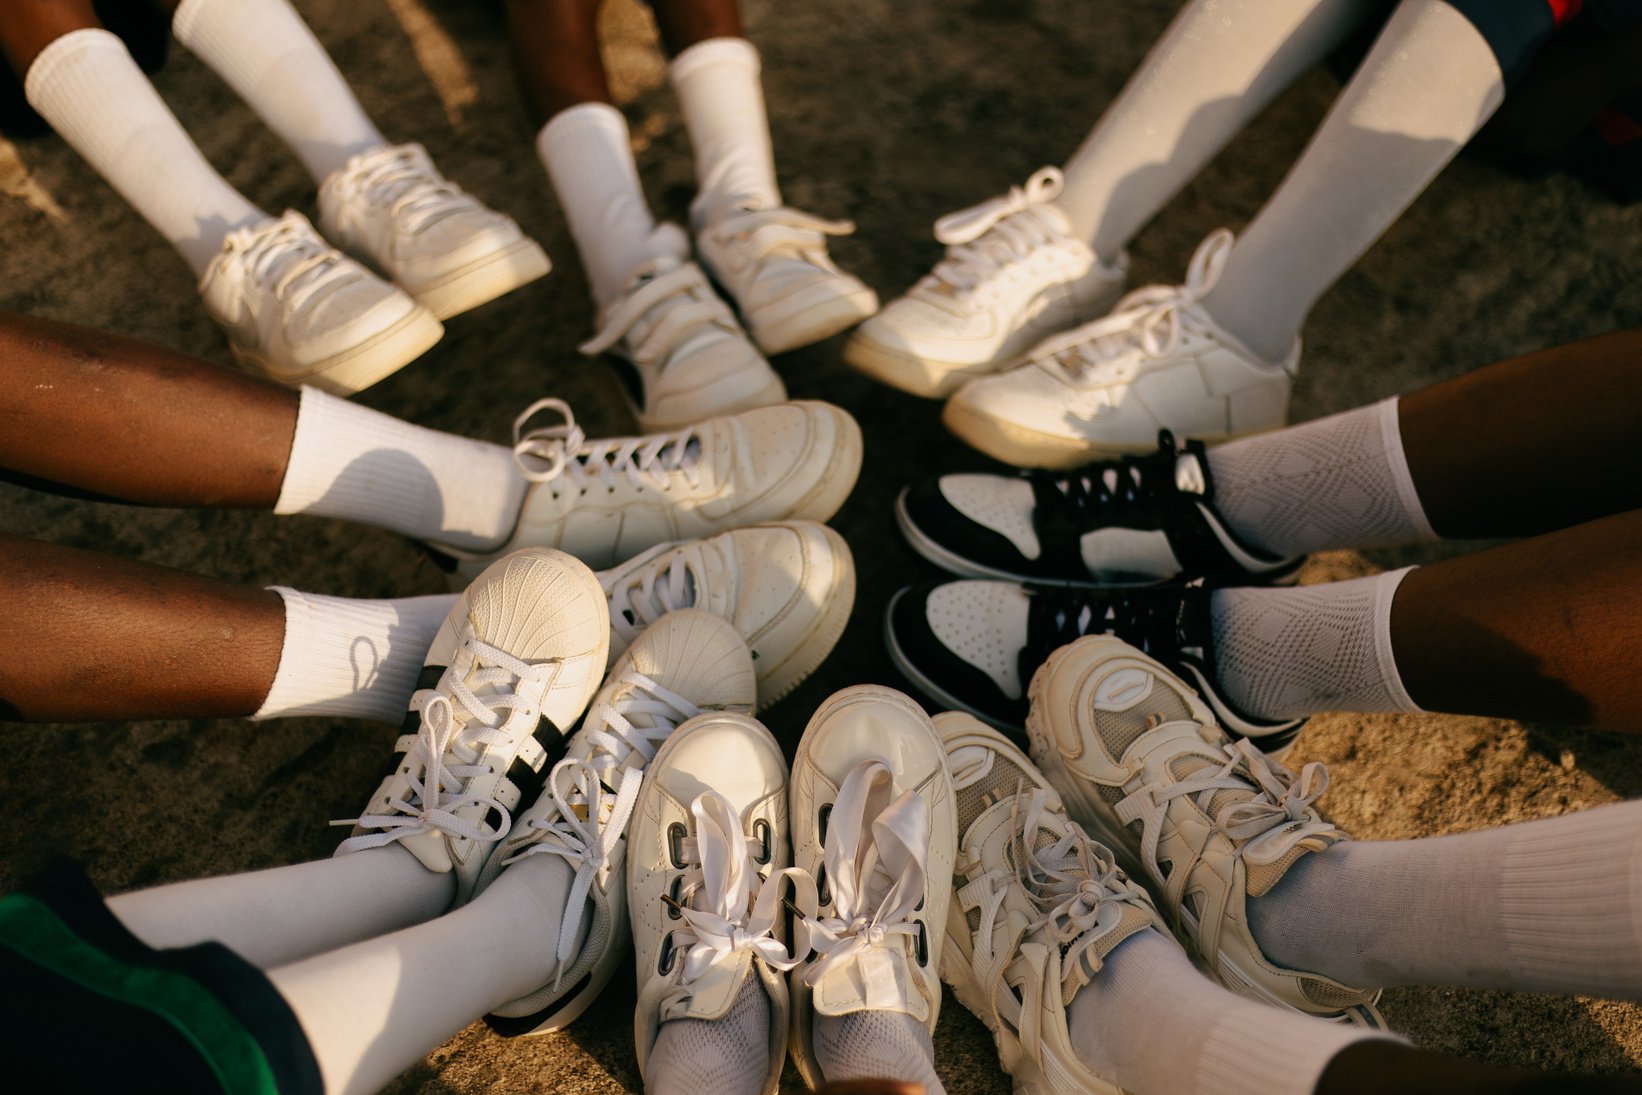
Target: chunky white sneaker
column 788, row 588
column 706, row 874
column 678, row 348
column 392, row 208
column 1105, row 389
column 1037, row 908
column 689, row 662
column 1139, row 761
column 606, row 501
column 508, row 674
column 774, row 264
column 302, row 312
column 873, row 822
column 1013, row 275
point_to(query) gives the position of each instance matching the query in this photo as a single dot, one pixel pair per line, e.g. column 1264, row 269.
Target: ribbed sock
column 718, row 88
column 93, row 94
column 724, row 1056
column 875, row 1045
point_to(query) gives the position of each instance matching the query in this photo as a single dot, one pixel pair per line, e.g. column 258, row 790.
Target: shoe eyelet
column 823, row 895
column 923, row 944
column 673, row 892
column 761, row 833
column 824, row 816
column 664, row 962
column 675, row 844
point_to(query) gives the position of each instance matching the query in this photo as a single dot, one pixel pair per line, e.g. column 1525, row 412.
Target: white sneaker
column 509, row 672
column 787, row 587
column 302, row 312
column 688, row 663
column 684, row 357
column 1013, row 275
column 391, row 207
column 1038, row 907
column 1106, row 389
column 606, row 501
column 1140, row 762
column 774, row 264
column 873, row 822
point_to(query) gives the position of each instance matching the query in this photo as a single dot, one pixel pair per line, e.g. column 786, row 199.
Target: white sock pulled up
column 725, row 1056
column 875, row 1045
column 717, row 82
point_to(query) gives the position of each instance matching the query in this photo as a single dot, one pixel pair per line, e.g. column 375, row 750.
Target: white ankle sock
column 875, row 1045
column 1150, row 1022
column 270, row 57
column 724, row 1056
column 1542, row 906
column 93, row 94
column 1284, row 653
column 1338, row 482
column 589, row 157
column 351, row 659
column 723, row 103
column 352, row 462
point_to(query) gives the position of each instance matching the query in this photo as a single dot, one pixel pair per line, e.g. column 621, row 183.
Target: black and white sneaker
column 1134, row 521
column 974, row 645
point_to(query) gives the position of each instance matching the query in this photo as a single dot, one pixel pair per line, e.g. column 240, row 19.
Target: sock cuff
column 1391, row 430
column 185, row 19
column 1385, row 591
column 331, row 434
column 584, row 121
column 66, row 50
column 1253, row 1051
column 714, row 51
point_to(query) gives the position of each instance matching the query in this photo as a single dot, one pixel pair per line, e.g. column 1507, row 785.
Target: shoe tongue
column 1120, row 729
column 1261, row 876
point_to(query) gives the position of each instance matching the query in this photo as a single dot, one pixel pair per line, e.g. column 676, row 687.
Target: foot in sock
column 726, row 1055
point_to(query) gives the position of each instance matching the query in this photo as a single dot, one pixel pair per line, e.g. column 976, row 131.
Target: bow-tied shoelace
column 663, row 309
column 544, row 454
column 642, row 597
column 986, row 238
column 762, row 233
column 404, row 180
column 286, row 256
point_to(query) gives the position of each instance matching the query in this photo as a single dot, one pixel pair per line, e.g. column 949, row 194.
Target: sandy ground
column 890, row 112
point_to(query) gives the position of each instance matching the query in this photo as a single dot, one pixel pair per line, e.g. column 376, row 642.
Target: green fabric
column 32, row 930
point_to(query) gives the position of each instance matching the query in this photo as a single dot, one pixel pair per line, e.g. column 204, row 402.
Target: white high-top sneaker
column 391, row 207
column 300, row 311
column 1013, row 275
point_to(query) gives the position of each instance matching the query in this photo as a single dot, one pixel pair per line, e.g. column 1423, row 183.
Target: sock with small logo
column 729, row 1055
column 875, row 1045
column 717, row 82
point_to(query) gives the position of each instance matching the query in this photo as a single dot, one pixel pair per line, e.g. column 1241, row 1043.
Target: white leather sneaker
column 508, row 674
column 1013, row 275
column 392, row 208
column 1107, row 388
column 298, row 310
column 774, row 264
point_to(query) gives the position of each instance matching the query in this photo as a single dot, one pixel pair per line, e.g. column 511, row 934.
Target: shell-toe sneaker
column 974, row 645
column 1013, row 275
column 873, row 822
column 301, row 312
column 1206, row 822
column 707, row 875
column 788, row 588
column 1134, row 520
column 676, row 345
column 391, row 207
column 774, row 264
column 1037, row 907
column 509, row 673
column 690, row 662
column 1159, row 361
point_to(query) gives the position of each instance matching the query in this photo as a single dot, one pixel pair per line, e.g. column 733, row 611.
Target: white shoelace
column 290, row 259
column 790, row 233
column 404, row 179
column 639, row 599
column 546, row 453
column 663, row 309
column 986, row 239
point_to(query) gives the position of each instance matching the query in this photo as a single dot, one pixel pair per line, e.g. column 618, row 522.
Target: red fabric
column 1617, row 128
column 1564, row 10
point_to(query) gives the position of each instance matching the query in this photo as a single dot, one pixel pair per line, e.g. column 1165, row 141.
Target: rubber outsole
column 909, row 373
column 839, row 602
column 813, row 324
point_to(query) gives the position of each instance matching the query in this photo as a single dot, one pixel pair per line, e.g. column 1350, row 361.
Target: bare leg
column 1380, row 1066
column 29, row 26
column 683, row 23
column 556, row 54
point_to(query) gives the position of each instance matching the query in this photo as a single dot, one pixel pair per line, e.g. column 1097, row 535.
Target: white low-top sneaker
column 392, row 208
column 873, row 822
column 1206, row 822
column 1105, row 389
column 788, row 588
column 688, row 663
column 509, row 673
column 300, row 311
column 774, row 264
column 677, row 346
column 1013, row 275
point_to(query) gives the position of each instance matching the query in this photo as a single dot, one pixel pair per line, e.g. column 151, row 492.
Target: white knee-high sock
column 285, row 914
column 718, row 88
column 1542, row 906
column 352, row 462
column 93, row 94
column 1338, row 482
column 876, row 1045
column 1284, row 653
column 1215, row 68
column 1427, row 86
column 345, row 658
column 726, row 1056
column 270, row 57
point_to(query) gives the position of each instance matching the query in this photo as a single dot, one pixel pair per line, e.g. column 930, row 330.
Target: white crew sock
column 1284, row 653
column 725, row 1056
column 723, row 103
column 1543, row 906
column 344, row 658
column 875, row 1045
column 285, row 914
column 1148, row 995
column 352, row 462
column 1338, row 482
column 270, row 57
column 589, row 158
column 1424, row 90
column 94, row 95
